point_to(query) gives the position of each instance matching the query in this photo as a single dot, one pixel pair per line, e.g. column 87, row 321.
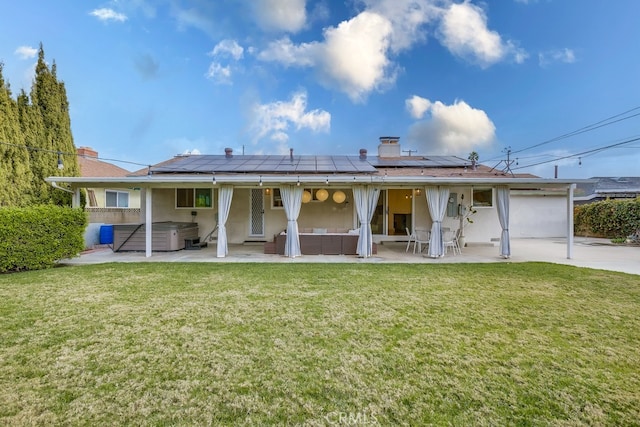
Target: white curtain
column 503, row 216
column 437, row 199
column 292, row 201
column 366, row 199
column 225, row 194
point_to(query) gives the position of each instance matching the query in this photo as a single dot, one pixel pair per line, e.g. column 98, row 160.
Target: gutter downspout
column 56, row 186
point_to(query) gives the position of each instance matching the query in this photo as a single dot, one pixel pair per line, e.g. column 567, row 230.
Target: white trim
column 570, row 221
column 311, row 181
column 148, row 222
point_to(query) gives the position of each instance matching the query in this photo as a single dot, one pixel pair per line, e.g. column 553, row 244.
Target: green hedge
column 36, row 237
column 609, row 218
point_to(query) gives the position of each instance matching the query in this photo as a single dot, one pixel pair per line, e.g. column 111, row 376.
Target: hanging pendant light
column 306, row 196
column 322, row 194
column 339, row 196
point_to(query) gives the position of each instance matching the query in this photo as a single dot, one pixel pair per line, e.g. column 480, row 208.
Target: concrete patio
column 587, row 252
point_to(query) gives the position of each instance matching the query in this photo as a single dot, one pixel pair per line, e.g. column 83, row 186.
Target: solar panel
column 306, row 164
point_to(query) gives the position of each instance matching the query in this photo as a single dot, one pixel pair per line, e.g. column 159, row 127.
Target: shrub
column 36, row 237
column 608, row 218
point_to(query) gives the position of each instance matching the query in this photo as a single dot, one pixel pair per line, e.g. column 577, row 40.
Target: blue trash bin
column 106, row 234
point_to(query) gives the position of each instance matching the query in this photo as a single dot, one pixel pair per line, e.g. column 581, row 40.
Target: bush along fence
column 614, row 219
column 37, row 237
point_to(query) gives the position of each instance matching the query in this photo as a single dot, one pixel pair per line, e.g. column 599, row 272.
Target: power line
column 599, row 124
column 583, row 153
column 63, row 153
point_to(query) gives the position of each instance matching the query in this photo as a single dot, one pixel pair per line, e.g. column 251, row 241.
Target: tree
column 473, row 157
column 15, row 172
column 33, row 132
column 49, row 98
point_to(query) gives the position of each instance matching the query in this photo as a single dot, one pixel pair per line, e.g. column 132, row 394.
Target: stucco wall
column 538, row 216
column 531, row 215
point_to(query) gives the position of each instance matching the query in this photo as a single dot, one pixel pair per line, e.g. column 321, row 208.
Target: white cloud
column 566, row 56
column 275, row 119
column 219, row 74
column 26, row 52
column 417, row 106
column 195, row 18
column 352, row 57
column 280, row 15
column 463, row 30
column 453, row 129
column 105, row 14
column 228, row 47
column 289, row 54
column 355, row 55
column 408, row 19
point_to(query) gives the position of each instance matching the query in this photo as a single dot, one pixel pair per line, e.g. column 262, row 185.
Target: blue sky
column 147, row 80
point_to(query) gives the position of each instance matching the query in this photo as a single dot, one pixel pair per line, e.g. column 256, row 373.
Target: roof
column 92, row 167
column 603, row 186
column 250, row 170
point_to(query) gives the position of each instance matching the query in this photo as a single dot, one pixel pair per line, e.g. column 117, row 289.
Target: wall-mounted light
column 267, row 191
column 60, row 164
column 418, row 191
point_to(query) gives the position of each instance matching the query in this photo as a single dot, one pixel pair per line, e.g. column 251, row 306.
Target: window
column 116, row 199
column 194, row 198
column 482, row 197
column 276, row 199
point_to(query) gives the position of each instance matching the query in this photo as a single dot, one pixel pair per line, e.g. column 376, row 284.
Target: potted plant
column 464, row 214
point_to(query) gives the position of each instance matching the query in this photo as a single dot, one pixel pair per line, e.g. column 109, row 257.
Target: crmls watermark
column 351, row 419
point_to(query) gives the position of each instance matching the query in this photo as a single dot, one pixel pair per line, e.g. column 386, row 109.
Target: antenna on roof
column 409, row 151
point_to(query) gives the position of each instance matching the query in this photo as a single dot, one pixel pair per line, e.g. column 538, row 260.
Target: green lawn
column 319, row 344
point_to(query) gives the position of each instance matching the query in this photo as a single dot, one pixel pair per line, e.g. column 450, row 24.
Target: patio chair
column 412, row 238
column 422, row 238
column 450, row 240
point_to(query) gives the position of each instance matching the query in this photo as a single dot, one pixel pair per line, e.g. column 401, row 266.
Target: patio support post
column 148, row 222
column 75, row 200
column 570, row 221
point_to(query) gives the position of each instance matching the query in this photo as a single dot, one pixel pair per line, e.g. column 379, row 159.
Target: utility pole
column 508, row 162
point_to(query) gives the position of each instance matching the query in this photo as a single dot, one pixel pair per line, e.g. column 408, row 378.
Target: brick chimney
column 228, row 152
column 87, row 152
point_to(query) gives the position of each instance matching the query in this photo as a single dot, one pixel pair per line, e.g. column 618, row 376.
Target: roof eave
column 244, row 179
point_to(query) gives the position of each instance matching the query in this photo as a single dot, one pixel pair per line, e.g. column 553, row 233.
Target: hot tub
column 166, row 236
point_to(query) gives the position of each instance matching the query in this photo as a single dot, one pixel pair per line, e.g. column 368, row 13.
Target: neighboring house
column 105, row 204
column 605, row 188
column 105, row 197
column 250, row 197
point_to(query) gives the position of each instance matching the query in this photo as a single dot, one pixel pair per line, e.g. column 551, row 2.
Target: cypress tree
column 15, row 172
column 32, row 128
column 49, row 98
